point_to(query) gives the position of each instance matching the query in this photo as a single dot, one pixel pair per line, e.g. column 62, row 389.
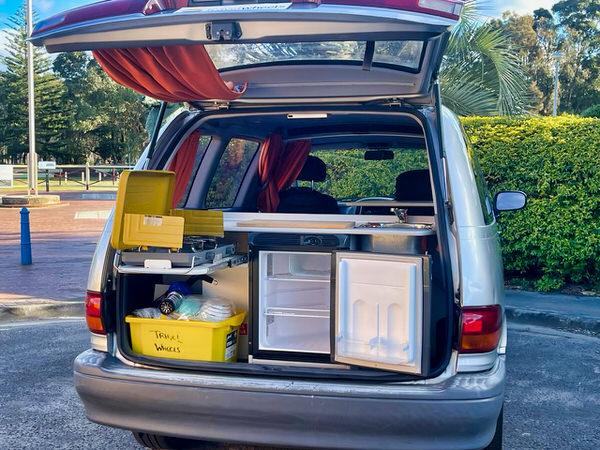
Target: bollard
column 26, row 259
column 47, row 180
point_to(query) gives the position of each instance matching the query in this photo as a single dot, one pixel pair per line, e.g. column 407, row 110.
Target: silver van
column 357, row 231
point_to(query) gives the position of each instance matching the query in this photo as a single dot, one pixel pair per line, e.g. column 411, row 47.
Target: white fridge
column 355, row 308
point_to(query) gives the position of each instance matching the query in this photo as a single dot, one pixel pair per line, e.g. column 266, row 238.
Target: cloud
column 44, row 6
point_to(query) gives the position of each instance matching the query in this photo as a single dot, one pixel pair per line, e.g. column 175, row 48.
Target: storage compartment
column 293, row 301
column 379, row 319
column 188, row 340
column 191, row 340
column 393, row 243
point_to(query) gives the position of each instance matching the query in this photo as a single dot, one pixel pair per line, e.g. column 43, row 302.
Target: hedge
column 556, row 240
column 592, row 111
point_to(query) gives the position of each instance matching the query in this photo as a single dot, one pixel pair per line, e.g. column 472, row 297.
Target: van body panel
column 482, row 276
column 460, row 412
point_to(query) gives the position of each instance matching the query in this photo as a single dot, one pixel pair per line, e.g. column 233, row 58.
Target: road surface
column 552, row 398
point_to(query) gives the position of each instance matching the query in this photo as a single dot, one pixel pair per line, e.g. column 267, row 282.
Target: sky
column 47, row 8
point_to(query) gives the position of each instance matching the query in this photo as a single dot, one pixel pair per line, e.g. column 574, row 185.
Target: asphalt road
column 552, row 399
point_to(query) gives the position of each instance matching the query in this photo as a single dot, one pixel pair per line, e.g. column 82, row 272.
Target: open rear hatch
column 341, row 51
column 334, row 50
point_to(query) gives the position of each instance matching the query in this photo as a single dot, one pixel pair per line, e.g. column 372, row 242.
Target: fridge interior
column 294, row 301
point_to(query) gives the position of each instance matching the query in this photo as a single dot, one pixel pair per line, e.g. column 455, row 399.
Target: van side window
column 203, row 144
column 230, row 172
column 482, row 189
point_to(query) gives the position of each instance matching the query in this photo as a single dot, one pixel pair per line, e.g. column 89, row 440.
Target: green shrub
column 556, row 161
column 592, row 111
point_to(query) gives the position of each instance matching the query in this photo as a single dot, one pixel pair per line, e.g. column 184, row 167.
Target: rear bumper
column 457, row 413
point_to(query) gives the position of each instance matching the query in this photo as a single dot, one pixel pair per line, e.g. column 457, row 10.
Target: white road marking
column 103, row 214
column 33, row 323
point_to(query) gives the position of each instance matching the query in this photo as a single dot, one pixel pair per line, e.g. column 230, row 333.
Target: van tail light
column 443, row 6
column 93, row 312
column 450, row 9
column 480, row 329
column 156, row 6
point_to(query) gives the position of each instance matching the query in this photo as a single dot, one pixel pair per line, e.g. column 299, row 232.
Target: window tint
column 230, row 173
column 350, row 176
column 202, row 146
column 482, row 189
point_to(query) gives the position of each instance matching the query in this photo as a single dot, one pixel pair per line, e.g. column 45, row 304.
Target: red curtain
column 183, row 164
column 279, row 168
column 174, row 73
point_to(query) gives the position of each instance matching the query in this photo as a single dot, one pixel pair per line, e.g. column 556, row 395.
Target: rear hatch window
column 401, row 55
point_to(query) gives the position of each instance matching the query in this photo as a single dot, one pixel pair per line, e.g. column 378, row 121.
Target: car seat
column 306, row 200
column 415, row 186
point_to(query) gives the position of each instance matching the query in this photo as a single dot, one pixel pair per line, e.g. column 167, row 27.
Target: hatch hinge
column 223, row 31
column 213, row 106
column 450, row 212
column 396, row 102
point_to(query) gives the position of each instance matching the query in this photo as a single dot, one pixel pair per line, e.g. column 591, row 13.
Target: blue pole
column 26, row 259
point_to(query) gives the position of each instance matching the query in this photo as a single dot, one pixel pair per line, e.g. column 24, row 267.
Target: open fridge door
column 378, row 310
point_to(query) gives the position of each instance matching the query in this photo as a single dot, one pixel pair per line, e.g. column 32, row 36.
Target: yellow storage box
column 190, row 340
column 147, row 192
column 201, row 222
column 152, row 231
column 143, row 214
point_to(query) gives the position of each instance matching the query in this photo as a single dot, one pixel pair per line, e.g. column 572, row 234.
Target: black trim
column 310, row 62
column 159, row 120
column 434, row 146
column 253, row 332
column 369, row 53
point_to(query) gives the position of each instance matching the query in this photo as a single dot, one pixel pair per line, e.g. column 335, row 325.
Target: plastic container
column 144, row 192
column 152, row 231
column 190, row 340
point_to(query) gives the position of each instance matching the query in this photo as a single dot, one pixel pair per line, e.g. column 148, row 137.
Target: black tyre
column 496, row 443
column 157, row 442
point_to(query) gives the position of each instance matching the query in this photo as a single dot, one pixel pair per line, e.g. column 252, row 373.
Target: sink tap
column 402, row 214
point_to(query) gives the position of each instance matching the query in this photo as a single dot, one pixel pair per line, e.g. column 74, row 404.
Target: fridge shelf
column 298, row 311
column 291, row 277
column 296, row 344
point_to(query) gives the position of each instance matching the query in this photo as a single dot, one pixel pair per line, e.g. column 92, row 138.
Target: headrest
column 314, row 170
column 414, row 185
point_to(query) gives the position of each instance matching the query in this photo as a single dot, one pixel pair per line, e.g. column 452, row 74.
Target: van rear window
column 351, row 177
column 401, row 54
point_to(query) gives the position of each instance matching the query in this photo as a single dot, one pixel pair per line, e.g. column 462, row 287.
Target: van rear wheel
column 496, row 443
column 158, row 442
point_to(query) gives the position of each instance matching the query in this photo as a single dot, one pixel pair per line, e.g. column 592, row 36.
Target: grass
column 18, row 187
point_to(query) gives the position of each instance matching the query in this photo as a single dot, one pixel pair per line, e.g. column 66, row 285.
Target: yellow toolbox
column 147, row 193
column 190, row 340
column 144, row 218
column 201, row 222
column 152, row 231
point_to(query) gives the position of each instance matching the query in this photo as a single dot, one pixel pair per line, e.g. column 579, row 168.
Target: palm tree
column 480, row 73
